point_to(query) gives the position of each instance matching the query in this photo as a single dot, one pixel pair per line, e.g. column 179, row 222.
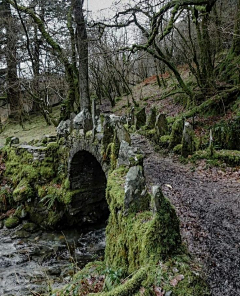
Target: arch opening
column 88, row 182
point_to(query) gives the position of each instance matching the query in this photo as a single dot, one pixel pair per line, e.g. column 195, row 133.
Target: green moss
column 23, row 191
column 137, row 239
column 111, row 153
column 226, row 134
column 129, row 287
column 46, row 172
column 231, row 157
column 177, row 275
column 177, row 149
column 52, row 147
column 176, row 133
column 115, row 187
column 136, row 160
column 5, row 198
column 92, row 269
column 89, row 135
column 29, row 172
column 49, row 219
column 29, row 227
column 69, row 194
column 20, row 212
column 149, row 133
column 66, row 184
column 11, row 222
column 164, row 141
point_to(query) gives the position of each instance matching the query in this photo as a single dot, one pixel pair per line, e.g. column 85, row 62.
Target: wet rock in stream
column 32, row 261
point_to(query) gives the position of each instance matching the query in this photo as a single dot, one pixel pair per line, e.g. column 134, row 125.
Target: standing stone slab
column 176, row 133
column 152, row 118
column 64, row 128
column 83, row 120
column 122, row 133
column 140, row 118
column 187, row 140
column 108, row 132
column 128, row 155
column 161, row 125
column 157, row 198
column 135, row 191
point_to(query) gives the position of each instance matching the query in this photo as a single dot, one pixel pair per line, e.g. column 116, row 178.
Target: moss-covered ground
column 33, row 128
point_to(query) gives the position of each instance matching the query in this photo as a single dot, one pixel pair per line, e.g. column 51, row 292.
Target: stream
column 31, row 261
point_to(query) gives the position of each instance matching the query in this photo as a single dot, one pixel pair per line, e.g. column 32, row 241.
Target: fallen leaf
column 168, row 185
column 158, row 291
column 177, row 279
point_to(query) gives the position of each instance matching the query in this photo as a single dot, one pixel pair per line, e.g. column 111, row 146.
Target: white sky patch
column 95, row 6
column 103, row 8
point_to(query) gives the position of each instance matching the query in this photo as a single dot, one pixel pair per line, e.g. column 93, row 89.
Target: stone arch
column 88, row 146
column 88, row 181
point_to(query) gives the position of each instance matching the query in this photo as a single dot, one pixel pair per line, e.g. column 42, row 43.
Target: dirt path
column 208, row 206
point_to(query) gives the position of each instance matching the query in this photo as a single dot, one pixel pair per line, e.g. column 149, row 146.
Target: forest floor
column 207, row 201
column 34, row 128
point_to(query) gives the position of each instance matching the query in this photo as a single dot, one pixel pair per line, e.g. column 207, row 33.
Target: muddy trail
column 208, row 206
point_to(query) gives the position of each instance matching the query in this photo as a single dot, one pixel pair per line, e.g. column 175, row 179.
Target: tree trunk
column 236, row 36
column 13, row 90
column 82, row 46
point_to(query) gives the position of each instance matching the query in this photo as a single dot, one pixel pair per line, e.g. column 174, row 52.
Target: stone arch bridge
column 92, row 157
column 87, row 159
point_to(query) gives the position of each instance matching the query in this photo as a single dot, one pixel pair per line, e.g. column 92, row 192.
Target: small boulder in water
column 11, row 222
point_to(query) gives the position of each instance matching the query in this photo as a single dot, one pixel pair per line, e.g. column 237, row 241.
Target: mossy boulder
column 20, row 212
column 164, row 141
column 176, row 133
column 178, row 149
column 29, row 227
column 12, row 222
column 138, row 238
column 23, row 191
column 43, row 217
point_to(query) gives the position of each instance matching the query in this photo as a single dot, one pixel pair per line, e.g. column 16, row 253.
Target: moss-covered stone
column 178, row 149
column 140, row 118
column 23, row 191
column 151, row 120
column 29, row 227
column 11, row 222
column 176, row 133
column 161, row 125
column 135, row 240
column 129, row 287
column 188, row 140
column 231, row 157
column 20, row 212
column 227, row 134
column 42, row 216
column 164, row 141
